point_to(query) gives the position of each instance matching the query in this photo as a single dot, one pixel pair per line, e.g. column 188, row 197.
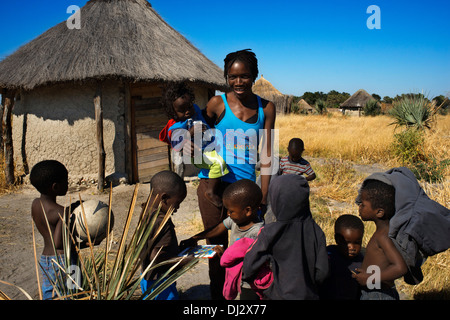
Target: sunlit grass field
column 364, row 140
column 333, row 144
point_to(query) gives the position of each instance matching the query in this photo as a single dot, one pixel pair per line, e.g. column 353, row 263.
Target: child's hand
column 361, row 276
column 191, row 242
column 196, row 128
column 219, row 251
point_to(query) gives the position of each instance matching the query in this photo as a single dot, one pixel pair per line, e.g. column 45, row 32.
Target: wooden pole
column 8, row 104
column 100, row 143
column 2, row 103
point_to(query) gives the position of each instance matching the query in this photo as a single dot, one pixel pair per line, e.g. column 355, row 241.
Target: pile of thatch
column 123, row 39
column 266, row 90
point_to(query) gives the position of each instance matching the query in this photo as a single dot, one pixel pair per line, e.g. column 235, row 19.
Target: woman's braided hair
column 244, row 56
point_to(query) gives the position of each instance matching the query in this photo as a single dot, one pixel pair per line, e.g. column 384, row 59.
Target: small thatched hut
column 356, row 102
column 122, row 55
column 266, row 90
column 304, row 107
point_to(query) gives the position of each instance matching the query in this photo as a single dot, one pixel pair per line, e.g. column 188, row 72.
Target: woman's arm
column 213, row 110
column 266, row 150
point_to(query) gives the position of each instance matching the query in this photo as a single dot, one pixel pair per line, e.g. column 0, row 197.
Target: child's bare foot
column 213, row 198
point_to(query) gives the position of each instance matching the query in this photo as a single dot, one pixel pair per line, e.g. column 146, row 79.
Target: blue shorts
column 171, row 293
column 52, row 274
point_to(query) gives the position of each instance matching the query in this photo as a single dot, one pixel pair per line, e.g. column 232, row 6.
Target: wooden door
column 151, row 155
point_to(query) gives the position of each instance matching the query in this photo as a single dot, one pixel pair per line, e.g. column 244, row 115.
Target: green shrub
column 372, row 108
column 321, row 107
column 431, row 171
column 407, row 146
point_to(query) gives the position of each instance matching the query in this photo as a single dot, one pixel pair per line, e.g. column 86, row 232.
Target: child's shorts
column 216, row 166
column 51, row 273
column 171, row 293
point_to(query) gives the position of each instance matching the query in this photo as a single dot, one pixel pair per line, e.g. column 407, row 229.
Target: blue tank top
column 240, row 143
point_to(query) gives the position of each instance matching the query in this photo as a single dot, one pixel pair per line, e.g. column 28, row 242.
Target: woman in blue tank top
column 237, row 114
column 240, row 111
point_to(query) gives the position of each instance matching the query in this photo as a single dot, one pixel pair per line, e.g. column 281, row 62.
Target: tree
column 335, row 98
column 387, row 99
column 311, row 98
column 376, row 96
column 372, row 108
column 442, row 101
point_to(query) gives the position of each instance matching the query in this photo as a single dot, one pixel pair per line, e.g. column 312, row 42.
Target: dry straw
column 123, row 39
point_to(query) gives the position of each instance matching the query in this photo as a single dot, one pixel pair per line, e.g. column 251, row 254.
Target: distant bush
column 321, row 107
column 372, row 108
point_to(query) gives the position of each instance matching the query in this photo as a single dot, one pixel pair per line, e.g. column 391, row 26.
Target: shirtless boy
column 378, row 205
column 50, row 178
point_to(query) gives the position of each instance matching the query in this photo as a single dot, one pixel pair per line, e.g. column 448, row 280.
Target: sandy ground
column 16, row 242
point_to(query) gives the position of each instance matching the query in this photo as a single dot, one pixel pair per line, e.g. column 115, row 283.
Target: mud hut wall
column 58, row 122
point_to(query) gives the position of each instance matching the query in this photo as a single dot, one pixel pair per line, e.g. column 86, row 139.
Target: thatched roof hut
column 304, row 106
column 264, row 87
column 266, row 90
column 122, row 54
column 356, row 102
column 123, row 39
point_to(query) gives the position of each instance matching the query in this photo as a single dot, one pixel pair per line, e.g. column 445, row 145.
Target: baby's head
column 295, row 149
column 242, row 200
column 376, row 201
column 348, row 233
column 170, row 188
column 50, row 177
column 178, row 99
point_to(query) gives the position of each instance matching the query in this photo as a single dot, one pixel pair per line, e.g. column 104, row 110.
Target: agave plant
column 321, row 106
column 108, row 274
column 414, row 111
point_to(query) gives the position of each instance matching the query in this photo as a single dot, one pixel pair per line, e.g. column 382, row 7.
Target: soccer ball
column 96, row 213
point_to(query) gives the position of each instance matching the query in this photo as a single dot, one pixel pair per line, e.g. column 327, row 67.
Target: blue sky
column 301, row 45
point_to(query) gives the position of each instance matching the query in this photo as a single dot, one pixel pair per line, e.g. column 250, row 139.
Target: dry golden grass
column 359, row 139
column 4, row 187
column 362, row 140
column 333, row 144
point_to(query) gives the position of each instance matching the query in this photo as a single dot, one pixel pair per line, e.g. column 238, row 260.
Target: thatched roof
column 266, row 90
column 302, row 104
column 123, row 39
column 263, row 87
column 357, row 100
